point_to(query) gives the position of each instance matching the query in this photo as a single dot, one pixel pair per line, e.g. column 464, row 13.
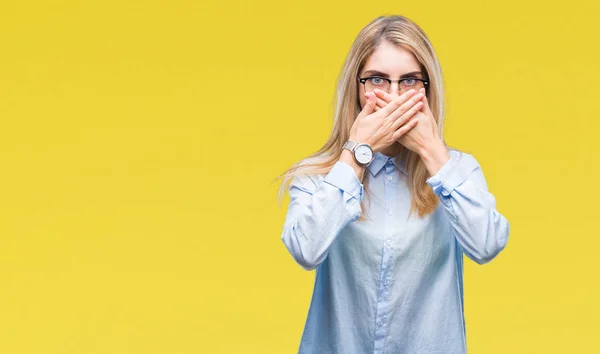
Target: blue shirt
column 392, row 283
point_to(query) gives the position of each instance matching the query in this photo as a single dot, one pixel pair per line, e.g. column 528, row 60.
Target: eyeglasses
column 377, row 82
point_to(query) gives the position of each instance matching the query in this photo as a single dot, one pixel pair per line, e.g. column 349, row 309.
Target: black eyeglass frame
column 363, row 80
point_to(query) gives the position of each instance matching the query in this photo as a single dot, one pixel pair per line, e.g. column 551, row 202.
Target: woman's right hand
column 384, row 127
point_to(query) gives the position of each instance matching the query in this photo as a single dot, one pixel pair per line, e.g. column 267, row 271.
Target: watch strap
column 350, row 145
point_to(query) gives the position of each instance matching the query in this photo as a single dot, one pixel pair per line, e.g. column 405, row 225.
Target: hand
column 425, row 134
column 390, row 123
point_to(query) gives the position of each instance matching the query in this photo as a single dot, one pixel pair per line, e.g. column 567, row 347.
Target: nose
column 394, row 89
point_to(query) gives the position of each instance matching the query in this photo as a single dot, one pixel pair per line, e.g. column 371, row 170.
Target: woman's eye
column 376, row 81
column 409, row 82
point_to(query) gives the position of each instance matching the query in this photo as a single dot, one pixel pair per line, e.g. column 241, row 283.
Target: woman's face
column 391, row 62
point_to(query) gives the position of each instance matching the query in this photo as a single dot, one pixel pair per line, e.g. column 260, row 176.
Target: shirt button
column 389, row 178
column 386, row 282
column 388, row 242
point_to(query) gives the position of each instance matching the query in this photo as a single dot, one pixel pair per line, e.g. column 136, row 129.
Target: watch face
column 363, row 154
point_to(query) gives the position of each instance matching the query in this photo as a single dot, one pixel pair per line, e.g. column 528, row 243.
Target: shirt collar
column 379, row 160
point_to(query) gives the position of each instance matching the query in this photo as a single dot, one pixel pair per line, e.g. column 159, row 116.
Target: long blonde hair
column 400, row 31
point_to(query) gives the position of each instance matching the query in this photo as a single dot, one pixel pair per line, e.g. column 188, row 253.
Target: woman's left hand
column 423, row 138
column 425, row 134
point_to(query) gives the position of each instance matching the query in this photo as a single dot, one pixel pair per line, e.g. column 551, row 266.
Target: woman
column 385, row 210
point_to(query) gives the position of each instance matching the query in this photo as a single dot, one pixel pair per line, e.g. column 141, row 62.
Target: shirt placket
column 382, row 317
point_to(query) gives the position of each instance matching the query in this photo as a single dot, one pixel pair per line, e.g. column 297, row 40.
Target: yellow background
column 139, row 140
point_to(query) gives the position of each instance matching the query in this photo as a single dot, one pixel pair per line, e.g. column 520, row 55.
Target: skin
column 394, row 120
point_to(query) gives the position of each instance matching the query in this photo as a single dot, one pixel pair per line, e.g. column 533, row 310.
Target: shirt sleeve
column 480, row 230
column 318, row 211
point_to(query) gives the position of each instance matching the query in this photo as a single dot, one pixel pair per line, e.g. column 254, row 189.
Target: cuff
column 448, row 178
column 343, row 177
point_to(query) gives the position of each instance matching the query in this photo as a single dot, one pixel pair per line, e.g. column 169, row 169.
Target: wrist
column 348, row 158
column 432, row 150
column 360, row 140
column 434, row 156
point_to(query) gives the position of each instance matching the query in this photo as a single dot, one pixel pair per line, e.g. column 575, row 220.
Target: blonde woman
column 384, row 211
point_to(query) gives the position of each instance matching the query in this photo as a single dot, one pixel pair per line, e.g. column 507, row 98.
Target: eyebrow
column 384, row 75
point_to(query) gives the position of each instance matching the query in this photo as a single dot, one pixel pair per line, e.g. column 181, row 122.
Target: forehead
column 392, row 60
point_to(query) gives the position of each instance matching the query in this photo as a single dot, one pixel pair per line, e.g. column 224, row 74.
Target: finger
column 427, row 111
column 406, row 116
column 405, row 129
column 397, row 103
column 382, row 95
column 380, row 104
column 425, row 108
column 405, row 107
column 369, row 105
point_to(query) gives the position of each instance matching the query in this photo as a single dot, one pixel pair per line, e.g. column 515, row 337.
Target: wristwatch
column 363, row 153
